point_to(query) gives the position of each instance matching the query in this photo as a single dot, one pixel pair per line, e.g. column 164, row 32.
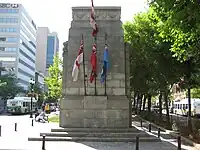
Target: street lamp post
column 32, row 82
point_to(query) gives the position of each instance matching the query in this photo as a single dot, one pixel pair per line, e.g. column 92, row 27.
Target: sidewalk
column 19, row 140
column 164, row 136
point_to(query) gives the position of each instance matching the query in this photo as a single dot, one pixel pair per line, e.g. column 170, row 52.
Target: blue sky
column 57, row 14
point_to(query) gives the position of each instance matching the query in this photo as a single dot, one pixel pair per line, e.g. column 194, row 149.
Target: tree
column 54, row 80
column 181, row 27
column 10, row 88
column 153, row 67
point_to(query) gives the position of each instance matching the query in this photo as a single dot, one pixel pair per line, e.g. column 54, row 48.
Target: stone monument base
column 95, row 112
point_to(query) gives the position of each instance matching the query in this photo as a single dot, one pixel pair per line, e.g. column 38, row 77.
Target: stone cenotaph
column 100, row 110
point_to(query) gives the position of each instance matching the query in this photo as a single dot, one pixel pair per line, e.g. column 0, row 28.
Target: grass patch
column 54, row 119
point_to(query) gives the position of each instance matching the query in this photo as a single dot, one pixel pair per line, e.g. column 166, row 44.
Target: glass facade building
column 17, row 42
column 52, row 48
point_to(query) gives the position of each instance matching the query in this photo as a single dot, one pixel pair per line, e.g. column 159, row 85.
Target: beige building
column 41, row 49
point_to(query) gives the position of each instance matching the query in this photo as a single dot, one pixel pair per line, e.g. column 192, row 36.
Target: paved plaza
column 19, row 140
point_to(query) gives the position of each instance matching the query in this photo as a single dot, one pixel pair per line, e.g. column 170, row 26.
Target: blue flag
column 105, row 64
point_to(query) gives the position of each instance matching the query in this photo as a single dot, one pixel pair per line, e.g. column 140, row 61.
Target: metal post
column 15, row 126
column 31, row 114
column 43, row 142
column 0, row 131
column 179, row 142
column 105, row 67
column 32, row 123
column 158, row 132
column 141, row 123
column 150, row 127
column 84, row 75
column 95, row 74
column 137, row 143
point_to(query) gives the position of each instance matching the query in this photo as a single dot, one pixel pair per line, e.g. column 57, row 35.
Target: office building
column 47, row 48
column 41, row 49
column 17, row 42
column 52, row 48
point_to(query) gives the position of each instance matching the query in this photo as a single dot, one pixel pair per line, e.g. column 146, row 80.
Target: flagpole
column 106, row 67
column 84, row 75
column 95, row 73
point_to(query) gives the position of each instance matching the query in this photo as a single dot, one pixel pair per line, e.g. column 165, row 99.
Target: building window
column 9, row 10
column 8, row 49
column 7, row 58
column 2, row 39
column 8, row 30
column 27, row 65
column 2, row 48
column 24, row 54
column 30, row 50
column 11, row 39
column 8, row 20
column 23, row 81
column 25, row 73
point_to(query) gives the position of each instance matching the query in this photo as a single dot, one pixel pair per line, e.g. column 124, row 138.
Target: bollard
column 137, row 143
column 141, row 123
column 149, row 127
column 158, row 132
column 179, row 142
column 16, row 127
column 32, row 123
column 0, row 131
column 43, row 142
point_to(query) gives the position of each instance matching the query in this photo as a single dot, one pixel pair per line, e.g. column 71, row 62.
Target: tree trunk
column 141, row 98
column 189, row 111
column 149, row 103
column 137, row 103
column 144, row 102
column 134, row 99
column 167, row 108
column 160, row 106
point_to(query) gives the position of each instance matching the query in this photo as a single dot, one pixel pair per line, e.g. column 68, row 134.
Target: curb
column 174, row 134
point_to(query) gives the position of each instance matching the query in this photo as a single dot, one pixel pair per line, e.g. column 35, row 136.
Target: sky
column 57, row 14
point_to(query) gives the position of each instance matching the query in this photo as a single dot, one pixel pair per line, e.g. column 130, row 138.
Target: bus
column 21, row 105
column 180, row 107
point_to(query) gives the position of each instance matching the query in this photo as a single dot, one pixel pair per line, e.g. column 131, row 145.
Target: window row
column 8, row 30
column 180, row 106
column 27, row 65
column 8, row 49
column 8, row 20
column 28, row 48
column 9, row 39
column 25, row 55
column 25, row 73
column 9, row 10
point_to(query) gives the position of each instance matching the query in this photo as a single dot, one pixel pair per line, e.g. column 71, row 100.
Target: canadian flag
column 93, row 21
column 77, row 63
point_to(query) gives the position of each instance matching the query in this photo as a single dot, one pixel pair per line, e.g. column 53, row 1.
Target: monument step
column 96, row 139
column 113, row 130
column 98, row 134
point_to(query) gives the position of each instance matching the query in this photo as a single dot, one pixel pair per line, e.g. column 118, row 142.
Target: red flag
column 93, row 21
column 93, row 61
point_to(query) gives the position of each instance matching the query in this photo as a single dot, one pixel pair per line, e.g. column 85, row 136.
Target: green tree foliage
column 10, row 89
column 54, row 80
column 181, row 25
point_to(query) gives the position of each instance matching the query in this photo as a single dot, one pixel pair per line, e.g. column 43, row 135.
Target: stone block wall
column 95, row 111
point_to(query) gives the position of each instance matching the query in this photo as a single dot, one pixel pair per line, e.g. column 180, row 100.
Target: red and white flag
column 77, row 63
column 93, row 61
column 93, row 21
